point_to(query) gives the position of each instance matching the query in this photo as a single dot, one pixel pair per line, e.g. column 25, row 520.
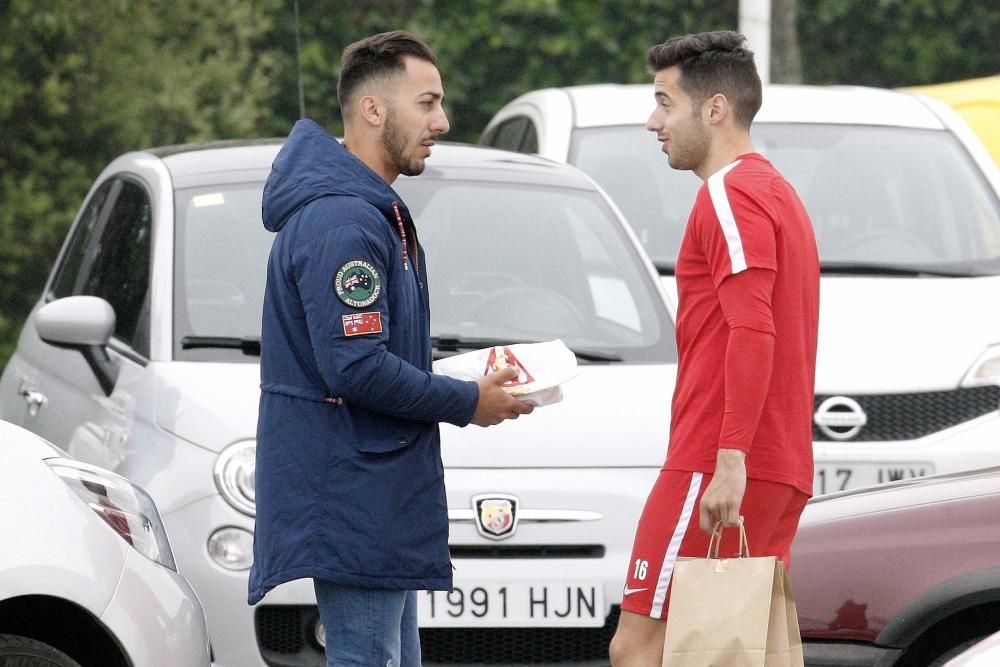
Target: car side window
column 77, row 255
column 529, row 144
column 109, row 257
column 509, row 133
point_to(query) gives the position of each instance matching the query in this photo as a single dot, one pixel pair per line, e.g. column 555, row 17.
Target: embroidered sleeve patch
column 357, row 324
column 357, row 284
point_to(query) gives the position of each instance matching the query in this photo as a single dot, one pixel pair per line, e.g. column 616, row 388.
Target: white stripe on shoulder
column 667, row 569
column 723, row 211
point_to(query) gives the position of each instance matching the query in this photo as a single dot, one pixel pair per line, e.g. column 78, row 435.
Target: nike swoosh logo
column 629, row 591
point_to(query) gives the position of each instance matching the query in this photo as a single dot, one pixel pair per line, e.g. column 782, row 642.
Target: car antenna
column 298, row 61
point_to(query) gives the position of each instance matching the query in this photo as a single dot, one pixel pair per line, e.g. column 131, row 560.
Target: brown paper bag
column 731, row 612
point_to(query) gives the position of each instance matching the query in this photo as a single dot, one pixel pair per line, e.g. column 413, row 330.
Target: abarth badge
column 496, row 515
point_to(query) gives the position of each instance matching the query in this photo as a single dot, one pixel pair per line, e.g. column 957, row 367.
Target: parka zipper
column 402, row 236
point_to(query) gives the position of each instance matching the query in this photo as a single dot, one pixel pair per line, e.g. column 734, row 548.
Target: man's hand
column 496, row 405
column 724, row 495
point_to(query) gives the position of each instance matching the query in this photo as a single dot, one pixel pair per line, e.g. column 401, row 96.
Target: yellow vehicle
column 977, row 101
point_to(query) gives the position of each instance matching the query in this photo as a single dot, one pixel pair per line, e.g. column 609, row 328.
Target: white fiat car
column 141, row 356
column 904, row 200
column 87, row 576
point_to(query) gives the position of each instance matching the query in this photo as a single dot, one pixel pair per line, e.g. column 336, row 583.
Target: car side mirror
column 83, row 323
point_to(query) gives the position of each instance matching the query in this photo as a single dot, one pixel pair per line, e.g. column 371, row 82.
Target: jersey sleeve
column 735, row 230
column 746, row 303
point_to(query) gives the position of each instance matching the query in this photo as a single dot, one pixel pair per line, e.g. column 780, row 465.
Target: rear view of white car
column 87, row 577
column 904, row 200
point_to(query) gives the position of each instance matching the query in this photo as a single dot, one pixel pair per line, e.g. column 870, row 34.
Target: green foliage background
column 84, row 80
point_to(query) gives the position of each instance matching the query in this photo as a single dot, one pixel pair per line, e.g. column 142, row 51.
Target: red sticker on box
column 502, row 357
column 356, row 324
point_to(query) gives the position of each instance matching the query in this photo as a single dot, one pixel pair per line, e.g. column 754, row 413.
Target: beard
column 691, row 151
column 395, row 146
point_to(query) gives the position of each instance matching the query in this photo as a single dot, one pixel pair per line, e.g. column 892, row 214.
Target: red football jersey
column 747, row 216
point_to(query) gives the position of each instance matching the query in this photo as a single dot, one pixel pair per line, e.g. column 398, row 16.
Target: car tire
column 17, row 651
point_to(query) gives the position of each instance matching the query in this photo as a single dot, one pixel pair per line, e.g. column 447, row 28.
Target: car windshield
column 880, row 198
column 507, row 263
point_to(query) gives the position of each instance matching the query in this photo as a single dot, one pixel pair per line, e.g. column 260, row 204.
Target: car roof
column 210, row 162
column 629, row 104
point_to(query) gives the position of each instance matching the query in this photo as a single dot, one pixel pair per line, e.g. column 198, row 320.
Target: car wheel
column 17, row 651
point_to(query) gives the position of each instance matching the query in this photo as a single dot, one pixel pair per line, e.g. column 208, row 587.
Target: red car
column 900, row 575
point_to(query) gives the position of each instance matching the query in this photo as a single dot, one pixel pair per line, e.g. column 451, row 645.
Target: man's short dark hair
column 378, row 56
column 711, row 63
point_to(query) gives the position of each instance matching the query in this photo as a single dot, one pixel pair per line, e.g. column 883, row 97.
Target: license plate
column 513, row 605
column 832, row 477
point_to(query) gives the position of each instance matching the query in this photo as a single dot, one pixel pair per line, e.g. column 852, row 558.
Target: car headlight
column 232, row 548
column 235, row 476
column 124, row 506
column 986, row 370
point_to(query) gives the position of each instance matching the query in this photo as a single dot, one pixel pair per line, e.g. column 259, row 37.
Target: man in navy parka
column 349, row 480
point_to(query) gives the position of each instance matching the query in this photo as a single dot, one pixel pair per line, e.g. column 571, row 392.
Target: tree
column 84, row 80
column 786, row 57
column 893, row 43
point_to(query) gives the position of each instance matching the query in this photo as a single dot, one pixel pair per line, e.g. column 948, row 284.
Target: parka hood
column 313, row 164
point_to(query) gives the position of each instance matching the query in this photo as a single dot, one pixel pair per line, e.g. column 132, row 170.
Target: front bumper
column 280, row 631
column 155, row 613
column 969, row 445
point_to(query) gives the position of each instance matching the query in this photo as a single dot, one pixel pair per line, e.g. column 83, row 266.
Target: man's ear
column 371, row 110
column 716, row 109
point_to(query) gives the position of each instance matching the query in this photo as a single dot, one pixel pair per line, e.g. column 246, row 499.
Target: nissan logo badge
column 840, row 418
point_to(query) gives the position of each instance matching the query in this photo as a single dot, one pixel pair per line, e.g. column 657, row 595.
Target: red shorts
column 669, row 528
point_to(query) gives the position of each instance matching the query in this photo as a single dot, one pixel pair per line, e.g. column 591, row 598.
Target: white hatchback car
column 87, row 577
column 141, row 357
column 904, row 201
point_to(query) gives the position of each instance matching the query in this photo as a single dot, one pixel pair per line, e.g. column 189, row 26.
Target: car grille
column 284, row 636
column 499, row 646
column 911, row 416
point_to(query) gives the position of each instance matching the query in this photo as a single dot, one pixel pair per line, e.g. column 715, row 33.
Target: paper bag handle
column 716, row 540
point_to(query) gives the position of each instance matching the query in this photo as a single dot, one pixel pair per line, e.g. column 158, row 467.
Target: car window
column 627, row 162
column 508, row 134
column 83, row 238
column 220, row 261
column 529, row 144
column 876, row 195
column 109, row 257
column 514, row 262
column 522, row 262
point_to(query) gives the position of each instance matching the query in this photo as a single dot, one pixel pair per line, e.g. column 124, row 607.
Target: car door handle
column 34, row 398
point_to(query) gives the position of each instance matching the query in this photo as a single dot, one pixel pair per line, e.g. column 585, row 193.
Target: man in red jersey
column 748, row 290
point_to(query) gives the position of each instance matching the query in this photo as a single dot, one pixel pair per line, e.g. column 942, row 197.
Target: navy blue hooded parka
column 349, row 479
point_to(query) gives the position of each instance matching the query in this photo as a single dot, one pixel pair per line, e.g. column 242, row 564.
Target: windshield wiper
column 249, row 346
column 874, row 268
column 449, row 343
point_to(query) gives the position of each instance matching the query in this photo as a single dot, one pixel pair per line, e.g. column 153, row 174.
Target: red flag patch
column 356, row 324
